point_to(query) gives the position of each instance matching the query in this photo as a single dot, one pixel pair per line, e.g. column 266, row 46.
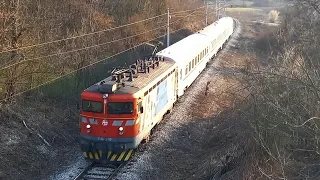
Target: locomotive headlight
column 88, row 128
column 120, row 130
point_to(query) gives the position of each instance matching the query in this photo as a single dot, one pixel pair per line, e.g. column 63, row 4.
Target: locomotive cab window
column 120, row 108
column 92, row 106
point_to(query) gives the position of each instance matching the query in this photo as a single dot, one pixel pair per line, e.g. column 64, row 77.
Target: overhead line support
column 168, row 29
column 206, row 13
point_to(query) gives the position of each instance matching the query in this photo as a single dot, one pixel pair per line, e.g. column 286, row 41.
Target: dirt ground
column 203, row 138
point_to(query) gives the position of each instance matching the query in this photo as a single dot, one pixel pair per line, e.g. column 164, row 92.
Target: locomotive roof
column 143, row 79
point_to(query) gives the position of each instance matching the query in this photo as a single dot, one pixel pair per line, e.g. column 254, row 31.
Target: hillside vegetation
column 50, row 52
column 28, row 23
column 284, row 96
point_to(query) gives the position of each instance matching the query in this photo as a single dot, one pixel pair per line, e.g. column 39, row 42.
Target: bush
column 273, row 16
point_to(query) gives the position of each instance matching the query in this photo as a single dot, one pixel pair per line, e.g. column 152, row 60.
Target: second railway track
column 99, row 171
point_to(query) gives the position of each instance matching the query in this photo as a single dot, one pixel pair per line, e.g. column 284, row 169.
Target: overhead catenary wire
column 91, row 64
column 179, row 12
column 183, row 15
column 89, row 47
column 173, row 13
column 85, row 48
column 97, row 32
column 186, row 16
column 80, row 49
column 83, row 35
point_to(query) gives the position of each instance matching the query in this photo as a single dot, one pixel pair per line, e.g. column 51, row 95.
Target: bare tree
column 285, row 98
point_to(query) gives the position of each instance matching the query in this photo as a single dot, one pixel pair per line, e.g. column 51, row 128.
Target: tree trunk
column 15, row 34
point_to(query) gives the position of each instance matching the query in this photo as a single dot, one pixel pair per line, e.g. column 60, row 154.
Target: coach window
column 180, row 74
column 189, row 66
column 186, row 70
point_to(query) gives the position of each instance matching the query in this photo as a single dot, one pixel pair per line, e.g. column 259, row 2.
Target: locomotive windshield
column 120, row 108
column 92, row 106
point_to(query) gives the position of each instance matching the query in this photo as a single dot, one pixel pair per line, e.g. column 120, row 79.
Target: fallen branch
column 26, row 126
column 44, row 140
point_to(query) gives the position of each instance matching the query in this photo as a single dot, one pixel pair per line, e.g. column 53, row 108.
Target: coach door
column 176, row 78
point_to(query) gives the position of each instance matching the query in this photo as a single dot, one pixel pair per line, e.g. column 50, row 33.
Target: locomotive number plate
column 105, row 123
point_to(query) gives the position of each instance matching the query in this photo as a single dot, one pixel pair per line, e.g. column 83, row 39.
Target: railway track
column 99, row 171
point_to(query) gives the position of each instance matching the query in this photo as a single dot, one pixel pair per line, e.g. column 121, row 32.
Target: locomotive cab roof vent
column 108, row 87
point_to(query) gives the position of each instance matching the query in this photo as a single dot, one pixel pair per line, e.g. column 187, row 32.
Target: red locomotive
column 119, row 112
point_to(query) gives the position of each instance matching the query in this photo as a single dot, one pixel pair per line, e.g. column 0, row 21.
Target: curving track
column 99, row 171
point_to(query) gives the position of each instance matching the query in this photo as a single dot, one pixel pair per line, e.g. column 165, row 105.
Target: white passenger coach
column 193, row 52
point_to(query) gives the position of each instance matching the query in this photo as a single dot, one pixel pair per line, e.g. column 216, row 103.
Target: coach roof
column 185, row 48
column 195, row 43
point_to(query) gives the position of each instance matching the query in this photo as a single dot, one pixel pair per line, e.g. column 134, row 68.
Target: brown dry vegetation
column 283, row 108
column 26, row 23
column 272, row 135
column 39, row 129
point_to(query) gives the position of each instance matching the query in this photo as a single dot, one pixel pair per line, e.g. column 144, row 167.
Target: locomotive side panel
column 157, row 102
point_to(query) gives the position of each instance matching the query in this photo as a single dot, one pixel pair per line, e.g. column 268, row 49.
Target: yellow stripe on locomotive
column 110, row 156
